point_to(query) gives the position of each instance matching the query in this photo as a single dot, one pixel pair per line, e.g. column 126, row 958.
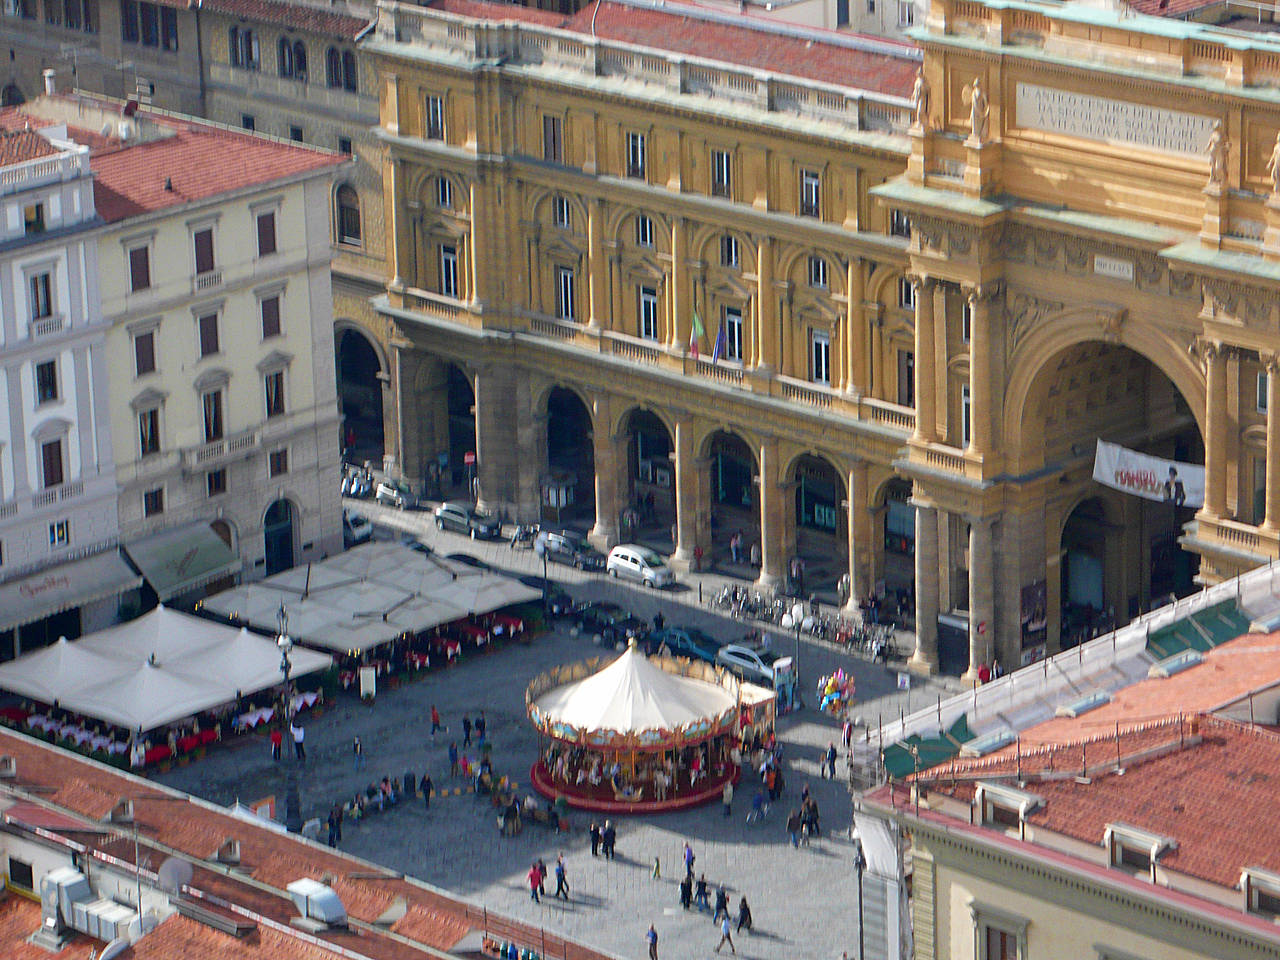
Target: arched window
column 284, row 57
column 348, row 215
column 11, row 96
column 333, row 67
column 349, row 75
column 244, row 48
column 299, row 59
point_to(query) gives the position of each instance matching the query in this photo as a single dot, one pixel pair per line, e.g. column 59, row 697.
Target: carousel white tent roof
column 369, row 595
column 151, row 671
column 632, row 695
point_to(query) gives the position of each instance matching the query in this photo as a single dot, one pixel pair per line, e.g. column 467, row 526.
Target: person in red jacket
column 277, row 738
column 535, row 881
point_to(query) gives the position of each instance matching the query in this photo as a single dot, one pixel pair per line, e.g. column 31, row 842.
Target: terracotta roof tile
column 180, row 937
column 299, row 16
column 87, row 799
column 746, row 41
column 18, row 146
column 1170, row 8
column 19, row 919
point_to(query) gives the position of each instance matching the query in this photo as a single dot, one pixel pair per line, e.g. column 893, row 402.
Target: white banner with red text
column 1169, row 481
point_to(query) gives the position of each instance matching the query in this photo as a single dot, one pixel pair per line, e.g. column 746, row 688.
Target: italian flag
column 696, row 334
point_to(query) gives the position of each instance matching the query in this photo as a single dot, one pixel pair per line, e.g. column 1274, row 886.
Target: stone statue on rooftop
column 979, row 112
column 920, row 100
column 1273, row 168
column 1217, row 149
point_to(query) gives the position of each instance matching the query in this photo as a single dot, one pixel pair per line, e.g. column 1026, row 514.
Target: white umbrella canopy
column 248, row 663
column 165, row 634
column 52, row 672
column 631, row 695
column 148, row 697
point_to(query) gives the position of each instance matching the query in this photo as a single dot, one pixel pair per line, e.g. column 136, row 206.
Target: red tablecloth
column 419, row 661
column 188, row 743
column 511, row 624
column 472, row 632
column 347, row 678
column 208, row 736
column 16, row 714
column 157, row 753
column 449, row 646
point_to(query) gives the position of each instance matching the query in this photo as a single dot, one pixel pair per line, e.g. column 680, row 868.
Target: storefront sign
column 1112, row 267
column 1179, row 484
column 1111, row 121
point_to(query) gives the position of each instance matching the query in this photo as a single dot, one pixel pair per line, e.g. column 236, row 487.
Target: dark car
column 686, row 642
column 569, row 548
column 610, row 621
column 462, row 518
column 559, row 603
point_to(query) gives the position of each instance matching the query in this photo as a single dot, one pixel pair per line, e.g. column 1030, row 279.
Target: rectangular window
column 729, row 253
column 51, row 463
column 248, row 122
column 33, row 218
column 202, row 241
column 810, row 194
column 269, row 307
column 168, row 28
column 906, row 294
column 966, row 416
column 966, row 321
column 817, row 272
column 565, row 307
column 721, row 174
column 216, row 482
column 871, row 6
column 59, row 534
column 552, row 138
column 560, row 210
column 906, row 13
column 211, row 407
column 1259, row 489
column 906, row 378
column 648, row 313
column 129, row 21
column 47, row 381
column 144, row 353
column 41, row 290
column 1263, row 384
column 278, row 462
column 153, row 502
column 636, row 155
column 295, row 134
column 435, row 117
column 273, row 392
column 732, row 320
column 266, row 233
column 149, row 432
column 444, row 193
column 1001, row 945
column 899, row 223
column 344, row 145
column 820, row 357
column 644, row 231
column 139, row 269
column 20, row 874
column 208, row 335
column 449, row 271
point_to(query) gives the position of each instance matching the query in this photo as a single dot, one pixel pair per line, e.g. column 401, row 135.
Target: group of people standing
column 696, row 893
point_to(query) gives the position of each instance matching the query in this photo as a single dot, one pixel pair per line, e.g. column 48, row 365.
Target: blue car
column 687, row 642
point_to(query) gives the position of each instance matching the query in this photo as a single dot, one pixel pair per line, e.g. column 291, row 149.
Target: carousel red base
column 600, row 799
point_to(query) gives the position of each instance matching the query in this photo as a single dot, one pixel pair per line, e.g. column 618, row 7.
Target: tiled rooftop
column 744, row 40
column 296, row 16
column 18, row 146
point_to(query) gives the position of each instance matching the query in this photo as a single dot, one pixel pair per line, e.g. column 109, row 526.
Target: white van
column 638, row 563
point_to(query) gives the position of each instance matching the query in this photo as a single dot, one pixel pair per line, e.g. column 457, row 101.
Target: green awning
column 182, row 559
column 917, row 753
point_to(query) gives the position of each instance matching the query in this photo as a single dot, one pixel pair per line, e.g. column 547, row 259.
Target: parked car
column 469, row 560
column 638, row 563
column 559, row 603
column 610, row 621
column 749, row 661
column 356, row 528
column 686, row 642
column 395, row 494
column 571, row 549
column 462, row 518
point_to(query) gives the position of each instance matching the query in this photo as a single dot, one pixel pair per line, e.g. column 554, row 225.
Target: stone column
column 686, row 470
column 925, row 658
column 855, row 336
column 479, row 254
column 926, row 410
column 857, row 517
column 767, row 334
column 681, row 301
column 1215, row 441
column 412, row 423
column 1272, row 521
column 773, row 562
column 497, row 454
column 982, row 605
column 400, row 250
column 597, row 277
column 604, row 534
column 980, row 404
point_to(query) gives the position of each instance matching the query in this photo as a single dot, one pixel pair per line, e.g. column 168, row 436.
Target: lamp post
column 859, row 864
column 285, row 644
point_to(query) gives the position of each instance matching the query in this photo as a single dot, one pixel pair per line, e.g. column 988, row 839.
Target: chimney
column 122, row 812
column 50, row 81
column 229, row 852
column 8, row 767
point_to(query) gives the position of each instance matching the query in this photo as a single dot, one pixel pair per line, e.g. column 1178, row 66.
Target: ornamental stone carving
column 1023, row 312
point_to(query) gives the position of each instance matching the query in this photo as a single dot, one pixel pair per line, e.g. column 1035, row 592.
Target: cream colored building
column 215, row 283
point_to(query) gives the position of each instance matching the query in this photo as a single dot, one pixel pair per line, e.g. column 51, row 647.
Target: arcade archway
column 734, row 497
column 360, row 393
column 568, row 483
column 650, row 479
column 278, row 536
column 819, row 521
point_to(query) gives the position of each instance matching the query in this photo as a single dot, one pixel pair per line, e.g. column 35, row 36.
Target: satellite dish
column 173, row 874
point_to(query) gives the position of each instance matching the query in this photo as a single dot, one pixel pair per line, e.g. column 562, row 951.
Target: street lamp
column 859, row 864
column 285, row 644
column 794, row 618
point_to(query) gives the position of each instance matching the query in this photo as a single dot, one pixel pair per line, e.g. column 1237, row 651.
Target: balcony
column 52, row 495
column 209, row 280
column 260, row 83
column 206, row 456
column 46, row 326
column 44, row 170
column 1236, row 537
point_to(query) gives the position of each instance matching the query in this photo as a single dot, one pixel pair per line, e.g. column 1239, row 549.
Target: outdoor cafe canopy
column 369, row 595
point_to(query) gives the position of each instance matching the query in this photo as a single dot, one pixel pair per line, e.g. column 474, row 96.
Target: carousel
column 640, row 734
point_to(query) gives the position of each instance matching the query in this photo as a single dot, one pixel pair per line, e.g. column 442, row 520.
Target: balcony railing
column 45, row 326
column 208, row 455
column 208, row 280
column 52, row 495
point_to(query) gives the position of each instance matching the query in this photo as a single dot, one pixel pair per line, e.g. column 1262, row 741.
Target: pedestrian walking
column 535, row 878
column 542, row 876
column 722, row 903
column 428, row 787
column 298, row 734
column 744, row 915
column 726, row 797
column 652, row 938
column 758, row 807
column 609, row 837
column 594, row 831
column 335, row 825
column 277, row 738
column 562, row 884
column 688, row 859
column 357, row 752
column 659, row 621
column 847, row 733
column 793, row 827
column 686, row 892
column 466, row 731
column 700, row 896
column 453, row 758
column 435, row 721
column 656, row 872
column 831, row 760
column 481, row 726
column 725, row 935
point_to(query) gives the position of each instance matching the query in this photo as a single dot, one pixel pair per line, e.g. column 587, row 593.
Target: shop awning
column 182, row 559
column 72, row 584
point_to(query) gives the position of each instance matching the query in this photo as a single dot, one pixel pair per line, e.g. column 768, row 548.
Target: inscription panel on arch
column 1111, row 121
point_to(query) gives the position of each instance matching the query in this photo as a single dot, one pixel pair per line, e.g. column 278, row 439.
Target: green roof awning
column 917, row 753
column 182, row 559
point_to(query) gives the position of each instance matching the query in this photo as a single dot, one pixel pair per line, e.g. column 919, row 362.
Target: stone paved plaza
column 804, row 901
